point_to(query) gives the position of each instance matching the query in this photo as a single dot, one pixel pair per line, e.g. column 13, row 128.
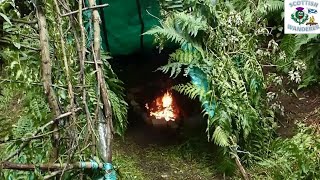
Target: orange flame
column 164, row 108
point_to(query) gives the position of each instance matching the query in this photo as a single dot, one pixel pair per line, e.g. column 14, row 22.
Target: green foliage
column 32, row 111
column 301, row 49
column 293, row 158
column 22, row 78
column 275, row 5
column 220, row 41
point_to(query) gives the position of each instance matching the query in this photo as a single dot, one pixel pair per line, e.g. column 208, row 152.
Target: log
column 47, row 167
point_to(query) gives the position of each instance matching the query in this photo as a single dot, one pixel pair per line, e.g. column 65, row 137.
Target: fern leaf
column 174, row 68
column 220, row 137
column 274, row 6
column 189, row 23
column 169, row 32
column 188, row 89
column 288, row 45
column 119, row 111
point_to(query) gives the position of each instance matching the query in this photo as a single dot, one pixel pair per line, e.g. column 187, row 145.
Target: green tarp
column 123, row 22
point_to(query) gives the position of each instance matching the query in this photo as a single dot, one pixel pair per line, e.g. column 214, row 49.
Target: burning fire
column 164, row 108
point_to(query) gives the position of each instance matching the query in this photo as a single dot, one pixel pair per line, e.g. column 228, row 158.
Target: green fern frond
column 24, row 126
column 185, row 56
column 174, row 68
column 273, row 6
column 288, row 45
column 291, row 44
column 189, row 89
column 189, row 23
column 169, row 32
column 220, row 137
column 119, row 111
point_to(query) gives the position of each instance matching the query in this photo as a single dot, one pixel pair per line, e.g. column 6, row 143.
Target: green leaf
column 13, row 64
column 5, row 18
column 220, row 137
column 17, row 44
column 18, row 74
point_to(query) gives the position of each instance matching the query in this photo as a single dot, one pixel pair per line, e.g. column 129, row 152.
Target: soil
column 299, row 106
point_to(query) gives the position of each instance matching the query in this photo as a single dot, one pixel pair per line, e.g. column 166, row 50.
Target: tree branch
column 47, row 167
column 68, row 79
column 23, row 21
column 46, row 67
column 85, row 9
column 106, row 127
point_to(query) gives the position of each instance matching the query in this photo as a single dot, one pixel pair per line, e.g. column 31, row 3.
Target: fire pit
column 163, row 111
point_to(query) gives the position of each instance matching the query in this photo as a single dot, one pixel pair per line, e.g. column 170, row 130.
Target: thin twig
column 85, row 9
column 23, row 21
column 39, row 84
column 82, row 55
column 66, row 71
column 26, row 139
column 53, row 174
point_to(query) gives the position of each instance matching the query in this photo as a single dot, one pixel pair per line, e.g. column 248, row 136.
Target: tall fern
column 218, row 53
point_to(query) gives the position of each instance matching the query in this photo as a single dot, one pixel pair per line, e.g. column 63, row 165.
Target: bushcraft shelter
column 122, row 24
column 124, row 21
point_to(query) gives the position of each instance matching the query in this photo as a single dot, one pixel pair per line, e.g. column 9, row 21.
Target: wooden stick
column 85, row 9
column 107, row 155
column 47, row 167
column 90, row 130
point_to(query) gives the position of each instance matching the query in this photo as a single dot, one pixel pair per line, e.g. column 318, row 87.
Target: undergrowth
column 293, row 158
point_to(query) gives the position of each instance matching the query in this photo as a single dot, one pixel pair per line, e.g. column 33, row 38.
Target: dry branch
column 67, row 73
column 23, row 21
column 105, row 151
column 82, row 50
column 46, row 68
column 85, row 9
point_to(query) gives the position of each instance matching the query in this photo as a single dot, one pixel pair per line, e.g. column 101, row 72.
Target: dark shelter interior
column 143, row 84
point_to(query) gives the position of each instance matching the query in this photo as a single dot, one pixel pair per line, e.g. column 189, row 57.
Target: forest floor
column 146, row 153
column 150, row 153
column 300, row 106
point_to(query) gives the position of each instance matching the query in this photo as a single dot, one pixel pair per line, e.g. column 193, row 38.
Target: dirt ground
column 301, row 106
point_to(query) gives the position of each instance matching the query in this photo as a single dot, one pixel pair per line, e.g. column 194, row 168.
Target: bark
column 241, row 168
column 105, row 136
column 72, row 120
column 46, row 167
column 82, row 55
column 46, row 68
column 85, row 9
